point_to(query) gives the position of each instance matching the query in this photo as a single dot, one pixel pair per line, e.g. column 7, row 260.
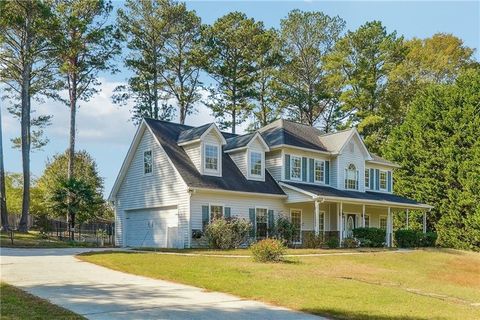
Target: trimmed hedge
column 414, row 239
column 370, row 237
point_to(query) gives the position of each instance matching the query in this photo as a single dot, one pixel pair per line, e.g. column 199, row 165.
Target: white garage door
column 153, row 228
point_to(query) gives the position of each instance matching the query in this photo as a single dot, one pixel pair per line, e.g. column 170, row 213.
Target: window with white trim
column 383, row 180
column 296, row 220
column 216, row 212
column 367, row 178
column 211, row 157
column 147, row 162
column 261, row 222
column 351, row 177
column 295, row 168
column 383, row 222
column 256, row 164
column 319, row 168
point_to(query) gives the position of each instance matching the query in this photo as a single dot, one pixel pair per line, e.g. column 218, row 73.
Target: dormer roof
column 197, row 133
column 243, row 141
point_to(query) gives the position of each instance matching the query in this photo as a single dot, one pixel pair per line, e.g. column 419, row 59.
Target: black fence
column 98, row 232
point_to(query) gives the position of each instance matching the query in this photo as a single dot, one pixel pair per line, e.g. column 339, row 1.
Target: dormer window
column 256, row 167
column 351, row 177
column 147, row 162
column 212, row 156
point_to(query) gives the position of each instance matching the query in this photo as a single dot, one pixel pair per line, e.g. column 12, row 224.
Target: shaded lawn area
column 424, row 284
column 17, row 304
column 247, row 252
column 34, row 239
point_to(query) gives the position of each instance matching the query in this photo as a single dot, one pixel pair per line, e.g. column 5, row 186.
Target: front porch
column 335, row 213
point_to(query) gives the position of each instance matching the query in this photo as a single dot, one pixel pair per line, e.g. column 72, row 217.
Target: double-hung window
column 319, row 171
column 383, row 222
column 211, row 157
column 367, row 221
column 216, row 212
column 383, row 180
column 261, row 222
column 147, row 162
column 256, row 164
column 367, row 178
column 295, row 168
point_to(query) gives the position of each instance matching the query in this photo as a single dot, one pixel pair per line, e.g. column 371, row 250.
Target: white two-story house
column 176, row 179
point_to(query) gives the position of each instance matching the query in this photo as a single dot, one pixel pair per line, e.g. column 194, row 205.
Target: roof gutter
column 374, row 202
column 195, row 190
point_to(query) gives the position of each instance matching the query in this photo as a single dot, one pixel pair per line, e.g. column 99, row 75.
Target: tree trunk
column 26, row 140
column 3, row 195
column 234, row 116
column 71, row 150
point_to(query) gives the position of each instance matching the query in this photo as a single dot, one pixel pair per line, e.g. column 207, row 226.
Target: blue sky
column 105, row 132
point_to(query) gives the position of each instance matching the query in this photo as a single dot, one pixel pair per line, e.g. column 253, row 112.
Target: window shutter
column 377, row 179
column 287, row 167
column 271, row 223
column 312, row 170
column 389, row 181
column 251, row 212
column 304, row 169
column 371, row 177
column 327, row 172
column 228, row 214
column 205, row 217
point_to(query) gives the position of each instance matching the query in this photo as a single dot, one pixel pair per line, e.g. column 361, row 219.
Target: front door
column 350, row 225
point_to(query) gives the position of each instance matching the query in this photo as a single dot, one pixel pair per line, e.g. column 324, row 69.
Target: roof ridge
column 336, row 132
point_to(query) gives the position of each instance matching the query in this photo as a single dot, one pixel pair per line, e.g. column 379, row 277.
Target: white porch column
column 363, row 215
column 424, row 221
column 389, row 227
column 341, row 222
column 407, row 219
column 317, row 218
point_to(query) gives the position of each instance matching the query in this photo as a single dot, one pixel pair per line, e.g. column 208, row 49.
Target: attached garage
column 153, row 228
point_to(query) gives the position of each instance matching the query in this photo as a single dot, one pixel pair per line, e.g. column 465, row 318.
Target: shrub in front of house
column 370, row 237
column 227, row 233
column 284, row 230
column 333, row 242
column 268, row 250
column 350, row 242
column 312, row 241
column 414, row 239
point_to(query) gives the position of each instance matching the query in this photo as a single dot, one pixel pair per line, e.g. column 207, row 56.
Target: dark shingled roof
column 238, row 141
column 168, row 133
column 332, row 192
column 192, row 133
column 292, row 133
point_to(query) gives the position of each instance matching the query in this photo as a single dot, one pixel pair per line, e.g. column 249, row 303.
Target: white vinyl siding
column 240, row 159
column 357, row 158
column 194, row 152
column 164, row 187
column 274, row 164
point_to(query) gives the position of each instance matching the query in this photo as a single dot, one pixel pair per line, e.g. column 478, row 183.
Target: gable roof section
column 241, row 142
column 232, row 179
column 284, row 132
column 355, row 196
column 336, row 140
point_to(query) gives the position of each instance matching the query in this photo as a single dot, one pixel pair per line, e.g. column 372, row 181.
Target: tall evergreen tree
column 26, row 28
column 306, row 39
column 3, row 194
column 86, row 47
column 438, row 147
column 360, row 65
column 230, row 51
column 145, row 25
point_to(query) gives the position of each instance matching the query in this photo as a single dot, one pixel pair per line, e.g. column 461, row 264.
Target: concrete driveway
column 100, row 293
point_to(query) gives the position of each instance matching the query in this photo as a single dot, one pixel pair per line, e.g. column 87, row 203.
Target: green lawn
column 17, row 304
column 424, row 284
column 34, row 239
column 247, row 252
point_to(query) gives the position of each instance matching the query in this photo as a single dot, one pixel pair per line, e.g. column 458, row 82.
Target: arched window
column 351, row 177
